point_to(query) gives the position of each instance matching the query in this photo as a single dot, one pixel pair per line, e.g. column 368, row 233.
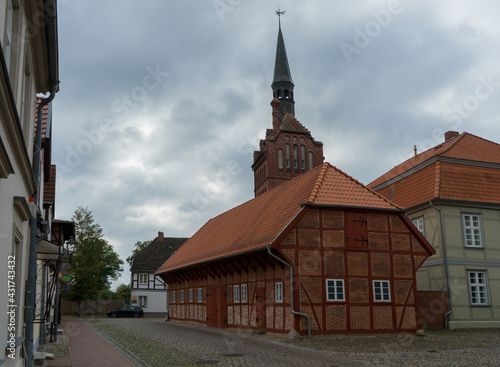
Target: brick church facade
column 288, row 149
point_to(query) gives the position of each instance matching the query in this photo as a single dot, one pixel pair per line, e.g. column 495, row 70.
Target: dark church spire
column 282, row 82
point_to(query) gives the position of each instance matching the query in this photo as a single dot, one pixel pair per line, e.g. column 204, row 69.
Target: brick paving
column 87, row 348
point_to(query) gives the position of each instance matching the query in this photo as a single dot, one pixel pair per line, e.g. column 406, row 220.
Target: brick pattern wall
column 322, row 246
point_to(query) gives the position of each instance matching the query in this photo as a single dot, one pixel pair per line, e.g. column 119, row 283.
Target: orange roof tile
column 465, row 146
column 256, row 223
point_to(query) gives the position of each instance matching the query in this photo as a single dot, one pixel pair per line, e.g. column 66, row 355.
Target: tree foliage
column 137, row 247
column 94, row 262
column 123, row 292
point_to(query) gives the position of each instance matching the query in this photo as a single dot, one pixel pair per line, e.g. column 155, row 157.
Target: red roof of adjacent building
column 462, row 168
column 256, row 223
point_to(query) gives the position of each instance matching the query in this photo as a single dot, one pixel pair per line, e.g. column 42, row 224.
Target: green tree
column 94, row 263
column 137, row 247
column 123, row 292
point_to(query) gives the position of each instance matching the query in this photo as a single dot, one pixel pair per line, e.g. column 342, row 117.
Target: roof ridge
column 452, row 143
column 319, row 182
column 437, row 180
column 366, row 187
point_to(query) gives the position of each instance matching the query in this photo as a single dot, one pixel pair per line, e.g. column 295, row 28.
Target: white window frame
column 244, row 293
column 475, row 232
column 479, row 294
column 174, row 298
column 141, row 281
column 332, row 293
column 200, row 295
column 143, row 301
column 419, row 224
column 278, row 292
column 191, row 295
column 379, row 287
column 236, row 293
column 182, row 295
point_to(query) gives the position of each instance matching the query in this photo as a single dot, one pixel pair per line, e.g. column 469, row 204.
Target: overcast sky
column 162, row 102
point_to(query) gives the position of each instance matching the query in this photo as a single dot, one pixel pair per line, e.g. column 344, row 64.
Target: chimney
column 450, row 135
column 160, row 237
column 275, row 103
column 415, row 150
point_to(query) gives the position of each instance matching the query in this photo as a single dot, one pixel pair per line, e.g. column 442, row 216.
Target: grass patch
column 151, row 351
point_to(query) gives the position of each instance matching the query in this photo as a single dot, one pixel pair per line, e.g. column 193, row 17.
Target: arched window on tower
column 303, row 158
column 311, row 161
column 295, row 158
column 286, row 94
column 279, row 93
column 287, row 153
column 280, row 158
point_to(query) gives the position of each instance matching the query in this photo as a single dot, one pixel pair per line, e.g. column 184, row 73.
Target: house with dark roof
column 320, row 253
column 148, row 290
column 451, row 192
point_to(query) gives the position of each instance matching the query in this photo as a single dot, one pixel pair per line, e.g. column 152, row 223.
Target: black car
column 127, row 311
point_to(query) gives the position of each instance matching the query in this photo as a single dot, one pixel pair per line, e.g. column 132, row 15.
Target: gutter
column 291, row 291
column 50, row 24
column 445, row 255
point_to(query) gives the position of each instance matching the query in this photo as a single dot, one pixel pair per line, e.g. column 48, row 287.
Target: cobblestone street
column 232, row 347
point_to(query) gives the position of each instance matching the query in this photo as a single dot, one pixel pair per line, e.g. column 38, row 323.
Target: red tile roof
column 469, row 177
column 291, row 124
column 44, row 119
column 465, row 146
column 256, row 223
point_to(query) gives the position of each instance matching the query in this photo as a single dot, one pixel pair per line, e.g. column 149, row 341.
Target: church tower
column 288, row 148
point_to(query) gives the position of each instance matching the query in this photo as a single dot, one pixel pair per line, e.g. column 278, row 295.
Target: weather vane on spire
column 279, row 13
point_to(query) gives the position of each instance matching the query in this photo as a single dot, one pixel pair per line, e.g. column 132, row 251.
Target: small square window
column 278, row 292
column 335, row 290
column 381, row 291
column 478, row 288
column 236, row 293
column 244, row 293
column 200, row 295
column 472, row 230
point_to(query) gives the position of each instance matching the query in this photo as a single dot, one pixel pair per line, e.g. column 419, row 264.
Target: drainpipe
column 291, row 291
column 445, row 255
column 32, row 263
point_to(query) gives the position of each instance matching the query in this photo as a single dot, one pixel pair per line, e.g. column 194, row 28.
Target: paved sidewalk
column 87, row 348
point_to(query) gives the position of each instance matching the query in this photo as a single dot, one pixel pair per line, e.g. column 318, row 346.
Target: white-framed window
column 182, row 296
column 191, row 295
column 335, row 290
column 236, row 293
column 143, row 278
column 174, row 298
column 143, row 301
column 200, row 295
column 419, row 224
column 473, row 236
column 278, row 292
column 478, row 288
column 381, row 291
column 244, row 293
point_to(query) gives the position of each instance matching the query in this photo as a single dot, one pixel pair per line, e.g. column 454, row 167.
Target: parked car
column 127, row 311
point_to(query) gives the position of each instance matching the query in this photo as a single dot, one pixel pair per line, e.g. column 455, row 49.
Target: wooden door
column 222, row 308
column 260, row 305
column 212, row 307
